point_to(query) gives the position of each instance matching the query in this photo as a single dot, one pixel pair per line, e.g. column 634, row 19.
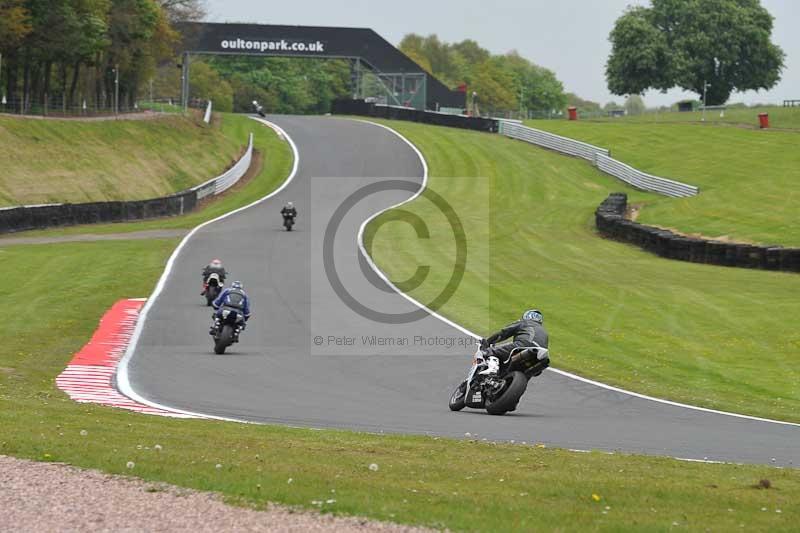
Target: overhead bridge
column 403, row 81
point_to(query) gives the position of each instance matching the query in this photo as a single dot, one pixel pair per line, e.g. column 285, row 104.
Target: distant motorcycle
column 227, row 328
column 500, row 393
column 211, row 288
column 288, row 222
column 259, row 109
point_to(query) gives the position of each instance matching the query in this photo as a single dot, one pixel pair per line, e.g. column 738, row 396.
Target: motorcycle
column 288, row 222
column 211, row 288
column 227, row 328
column 259, row 109
column 500, row 393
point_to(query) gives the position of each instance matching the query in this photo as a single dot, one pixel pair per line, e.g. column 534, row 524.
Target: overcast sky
column 569, row 37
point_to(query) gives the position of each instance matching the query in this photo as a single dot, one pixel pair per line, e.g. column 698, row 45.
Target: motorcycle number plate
column 476, row 397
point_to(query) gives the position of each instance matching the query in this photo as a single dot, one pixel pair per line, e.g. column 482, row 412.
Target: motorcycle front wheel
column 459, row 397
column 224, row 340
column 515, row 385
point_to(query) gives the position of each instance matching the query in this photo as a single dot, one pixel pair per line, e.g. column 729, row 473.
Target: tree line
column 295, row 86
column 503, row 82
column 74, row 51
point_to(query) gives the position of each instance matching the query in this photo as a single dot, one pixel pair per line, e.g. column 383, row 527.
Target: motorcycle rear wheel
column 224, row 340
column 516, row 384
column 459, row 397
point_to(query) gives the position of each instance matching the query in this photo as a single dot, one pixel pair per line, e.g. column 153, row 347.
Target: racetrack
column 278, row 374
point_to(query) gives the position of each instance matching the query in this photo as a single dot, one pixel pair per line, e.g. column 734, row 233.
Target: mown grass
column 747, row 178
column 787, row 118
column 277, row 161
column 52, row 161
column 460, row 484
column 719, row 337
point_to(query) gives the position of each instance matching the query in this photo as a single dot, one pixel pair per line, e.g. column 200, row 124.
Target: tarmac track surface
column 277, row 375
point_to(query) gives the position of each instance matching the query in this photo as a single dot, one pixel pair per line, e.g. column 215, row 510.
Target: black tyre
column 209, row 299
column 516, row 383
column 225, row 339
column 459, row 397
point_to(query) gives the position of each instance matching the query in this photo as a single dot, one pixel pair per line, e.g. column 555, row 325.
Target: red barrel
column 763, row 120
column 573, row 113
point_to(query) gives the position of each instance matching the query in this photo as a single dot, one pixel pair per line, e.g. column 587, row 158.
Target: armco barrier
column 599, row 157
column 611, row 222
column 362, row 108
column 13, row 219
column 551, row 141
column 644, row 181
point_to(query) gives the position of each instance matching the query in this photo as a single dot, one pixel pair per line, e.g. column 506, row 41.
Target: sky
column 569, row 37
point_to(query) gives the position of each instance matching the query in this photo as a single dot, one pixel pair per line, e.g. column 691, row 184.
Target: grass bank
column 277, row 161
column 747, row 178
column 705, row 335
column 419, row 480
column 52, row 161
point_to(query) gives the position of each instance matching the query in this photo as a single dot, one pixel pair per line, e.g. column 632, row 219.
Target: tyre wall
column 368, row 109
column 611, row 222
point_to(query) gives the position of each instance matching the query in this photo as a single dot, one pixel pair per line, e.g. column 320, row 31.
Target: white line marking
column 466, row 331
column 123, row 379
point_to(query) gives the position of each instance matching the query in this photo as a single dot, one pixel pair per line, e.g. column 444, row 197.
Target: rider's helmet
column 289, row 205
column 255, row 103
column 215, row 263
column 533, row 314
column 237, row 285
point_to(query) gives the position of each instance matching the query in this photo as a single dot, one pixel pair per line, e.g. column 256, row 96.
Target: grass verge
column 462, row 485
column 52, row 161
column 712, row 336
column 786, row 118
column 747, row 178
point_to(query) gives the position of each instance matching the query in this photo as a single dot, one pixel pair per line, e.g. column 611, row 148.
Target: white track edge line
column 466, row 331
column 122, row 379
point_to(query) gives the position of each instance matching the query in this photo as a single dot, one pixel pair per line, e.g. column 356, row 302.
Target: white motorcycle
column 212, row 288
column 499, row 393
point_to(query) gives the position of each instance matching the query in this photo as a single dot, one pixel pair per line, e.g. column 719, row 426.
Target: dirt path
column 92, row 237
column 45, row 497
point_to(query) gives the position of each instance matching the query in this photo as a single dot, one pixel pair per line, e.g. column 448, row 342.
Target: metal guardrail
column 229, row 178
column 644, row 181
column 551, row 141
column 599, row 157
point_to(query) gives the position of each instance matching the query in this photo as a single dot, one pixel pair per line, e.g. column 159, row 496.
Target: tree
column 584, row 106
column 14, row 24
column 206, row 83
column 634, row 105
column 499, row 80
column 687, row 43
column 183, row 10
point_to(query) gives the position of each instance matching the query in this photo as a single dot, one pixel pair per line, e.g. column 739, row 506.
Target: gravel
column 46, row 497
